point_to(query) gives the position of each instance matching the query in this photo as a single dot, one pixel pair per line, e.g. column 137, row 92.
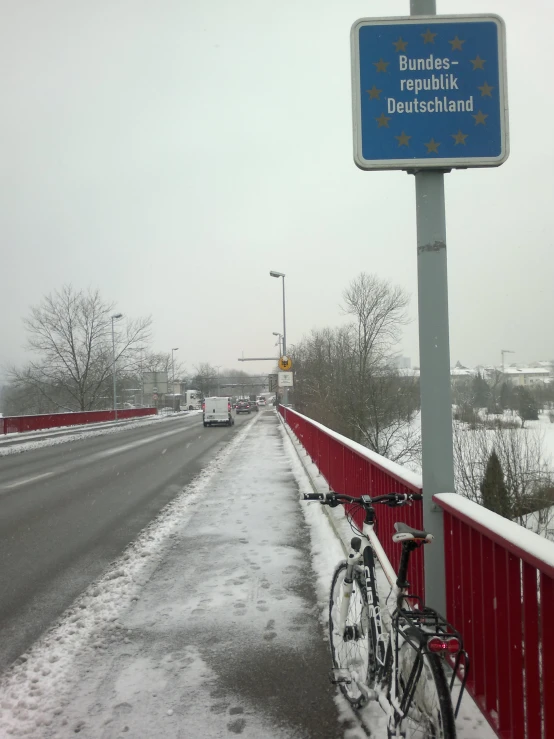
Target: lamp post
column 115, row 317
column 273, row 273
column 173, row 377
column 141, row 380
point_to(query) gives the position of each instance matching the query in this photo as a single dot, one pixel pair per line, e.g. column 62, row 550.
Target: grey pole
column 114, row 317
column 284, row 321
column 285, row 389
column 281, row 274
column 173, row 377
column 434, row 351
column 141, row 380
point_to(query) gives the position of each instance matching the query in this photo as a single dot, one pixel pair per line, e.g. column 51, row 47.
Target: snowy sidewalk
column 209, row 626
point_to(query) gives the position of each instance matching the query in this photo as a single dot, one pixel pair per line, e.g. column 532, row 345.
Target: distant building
column 402, row 362
column 460, row 373
column 526, row 375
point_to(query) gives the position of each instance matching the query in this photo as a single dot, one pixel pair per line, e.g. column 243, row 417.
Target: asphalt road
column 69, row 510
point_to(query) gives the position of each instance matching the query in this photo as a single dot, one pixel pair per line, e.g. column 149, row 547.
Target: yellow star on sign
column 383, row 121
column 457, row 43
column 400, row 45
column 486, row 90
column 478, row 63
column 374, row 93
column 459, row 138
column 433, row 147
column 480, row 118
column 381, row 65
column 428, row 37
column 403, row 139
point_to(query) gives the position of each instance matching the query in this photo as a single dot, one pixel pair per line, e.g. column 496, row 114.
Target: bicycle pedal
column 339, row 675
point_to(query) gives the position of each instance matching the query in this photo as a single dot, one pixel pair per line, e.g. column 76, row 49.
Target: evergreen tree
column 506, row 396
column 481, row 391
column 525, row 405
column 493, row 489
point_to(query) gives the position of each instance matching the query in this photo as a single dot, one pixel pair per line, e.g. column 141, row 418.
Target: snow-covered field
column 541, row 522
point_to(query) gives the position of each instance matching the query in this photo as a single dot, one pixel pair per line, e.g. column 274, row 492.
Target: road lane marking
column 27, row 480
column 135, row 444
column 92, row 458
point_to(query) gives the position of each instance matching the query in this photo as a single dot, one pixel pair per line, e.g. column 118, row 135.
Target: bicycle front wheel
column 423, row 694
column 352, row 651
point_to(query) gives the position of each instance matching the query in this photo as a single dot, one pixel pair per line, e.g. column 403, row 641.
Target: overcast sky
column 171, row 153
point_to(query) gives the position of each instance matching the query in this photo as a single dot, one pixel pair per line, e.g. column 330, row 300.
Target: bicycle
column 402, row 666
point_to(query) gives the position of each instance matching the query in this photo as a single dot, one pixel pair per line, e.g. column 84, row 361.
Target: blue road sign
column 429, row 92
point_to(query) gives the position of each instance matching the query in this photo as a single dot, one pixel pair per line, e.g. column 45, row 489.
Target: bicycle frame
column 363, row 561
column 408, row 624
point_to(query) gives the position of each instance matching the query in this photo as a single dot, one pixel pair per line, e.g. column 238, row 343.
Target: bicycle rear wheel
column 352, row 652
column 423, row 693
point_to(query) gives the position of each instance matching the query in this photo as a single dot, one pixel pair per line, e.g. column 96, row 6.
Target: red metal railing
column 499, row 583
column 350, row 468
column 500, row 595
column 18, row 424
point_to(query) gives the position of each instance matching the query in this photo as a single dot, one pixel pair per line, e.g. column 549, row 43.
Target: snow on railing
column 353, row 469
column 500, row 595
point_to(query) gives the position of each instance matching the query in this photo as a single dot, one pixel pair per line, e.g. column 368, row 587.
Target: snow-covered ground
column 209, row 604
column 540, row 522
column 199, row 628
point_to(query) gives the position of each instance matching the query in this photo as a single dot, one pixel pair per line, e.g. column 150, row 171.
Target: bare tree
column 70, row 333
column 378, row 309
column 390, row 406
column 345, row 377
column 204, row 378
column 527, row 479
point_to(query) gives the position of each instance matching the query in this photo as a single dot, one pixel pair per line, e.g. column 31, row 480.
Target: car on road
column 261, row 400
column 245, row 405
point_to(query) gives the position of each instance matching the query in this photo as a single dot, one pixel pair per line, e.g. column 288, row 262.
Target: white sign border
column 435, row 163
column 281, row 376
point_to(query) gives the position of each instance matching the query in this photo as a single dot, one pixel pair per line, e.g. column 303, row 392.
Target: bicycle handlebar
column 393, row 500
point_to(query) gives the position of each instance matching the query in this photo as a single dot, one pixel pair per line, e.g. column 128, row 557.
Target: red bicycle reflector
column 450, row 645
column 453, row 645
column 436, row 644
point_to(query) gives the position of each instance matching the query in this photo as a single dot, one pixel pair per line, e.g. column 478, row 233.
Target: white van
column 218, row 412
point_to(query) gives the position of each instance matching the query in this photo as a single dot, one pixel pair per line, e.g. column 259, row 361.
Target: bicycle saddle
column 406, row 533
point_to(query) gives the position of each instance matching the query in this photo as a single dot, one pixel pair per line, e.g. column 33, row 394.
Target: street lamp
column 280, row 274
column 173, row 377
column 115, row 317
column 273, row 273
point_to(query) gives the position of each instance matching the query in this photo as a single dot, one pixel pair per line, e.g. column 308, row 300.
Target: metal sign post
column 429, row 95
